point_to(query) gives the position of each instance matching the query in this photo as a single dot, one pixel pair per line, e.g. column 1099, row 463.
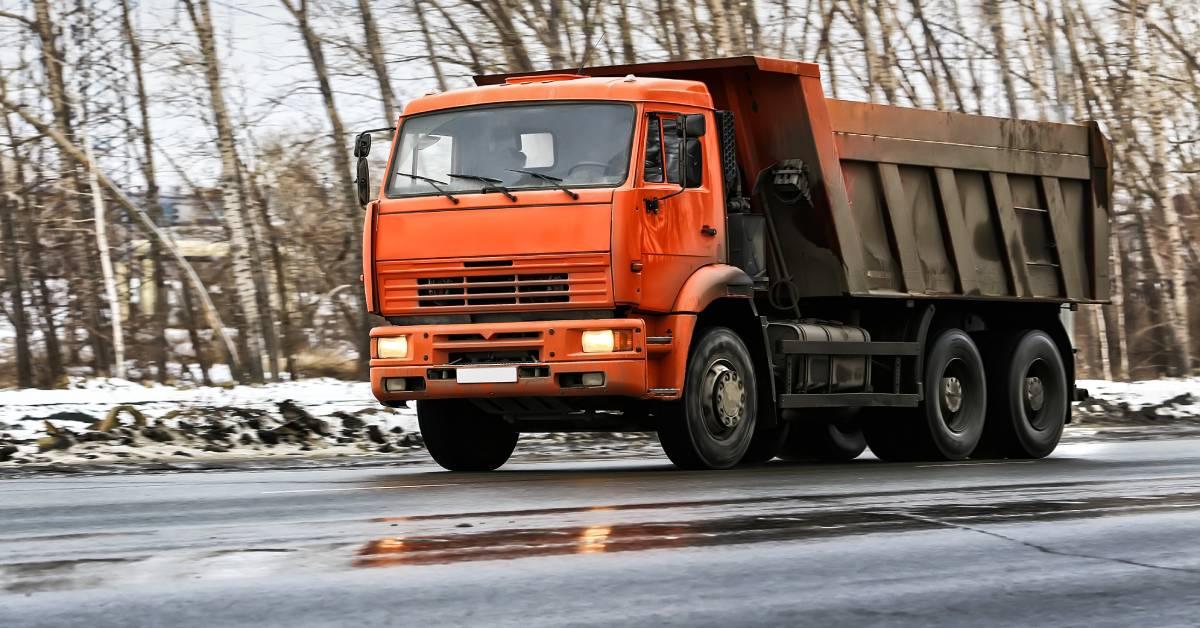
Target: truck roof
column 559, row 86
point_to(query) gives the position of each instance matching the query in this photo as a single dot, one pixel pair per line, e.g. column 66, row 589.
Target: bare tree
column 237, row 216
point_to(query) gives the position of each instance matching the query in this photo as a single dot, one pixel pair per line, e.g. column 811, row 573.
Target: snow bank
column 322, row 417
column 1151, row 401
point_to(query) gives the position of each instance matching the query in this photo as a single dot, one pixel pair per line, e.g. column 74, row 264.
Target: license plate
column 487, row 375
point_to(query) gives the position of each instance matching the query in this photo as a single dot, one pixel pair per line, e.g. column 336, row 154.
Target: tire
column 823, row 441
column 461, row 437
column 949, row 422
column 1029, row 396
column 712, row 425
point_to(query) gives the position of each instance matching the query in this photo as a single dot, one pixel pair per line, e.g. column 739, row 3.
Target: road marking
column 356, row 488
column 973, row 464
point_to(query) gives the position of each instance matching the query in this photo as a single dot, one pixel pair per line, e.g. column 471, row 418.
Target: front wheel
column 711, row 426
column 461, row 437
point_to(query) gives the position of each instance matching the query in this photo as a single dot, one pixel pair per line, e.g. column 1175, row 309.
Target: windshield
column 583, row 144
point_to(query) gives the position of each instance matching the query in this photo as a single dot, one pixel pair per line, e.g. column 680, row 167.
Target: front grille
column 510, row 289
column 527, row 283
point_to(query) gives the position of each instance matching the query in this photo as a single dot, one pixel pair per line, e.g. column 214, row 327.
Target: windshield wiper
column 493, row 185
column 434, row 183
column 555, row 181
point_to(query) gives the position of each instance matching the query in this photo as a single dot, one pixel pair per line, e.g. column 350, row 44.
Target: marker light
column 392, row 347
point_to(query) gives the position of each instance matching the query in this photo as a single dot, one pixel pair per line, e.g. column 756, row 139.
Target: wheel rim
column 724, row 407
column 952, row 391
column 1034, row 394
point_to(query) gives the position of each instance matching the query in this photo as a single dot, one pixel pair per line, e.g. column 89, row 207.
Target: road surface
column 1101, row 534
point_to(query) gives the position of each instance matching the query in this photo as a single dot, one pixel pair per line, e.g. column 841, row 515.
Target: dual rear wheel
column 1013, row 405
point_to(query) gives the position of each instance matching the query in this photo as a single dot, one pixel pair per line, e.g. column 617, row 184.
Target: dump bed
column 911, row 202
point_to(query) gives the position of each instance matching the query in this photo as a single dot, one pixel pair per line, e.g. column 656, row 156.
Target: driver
column 505, row 146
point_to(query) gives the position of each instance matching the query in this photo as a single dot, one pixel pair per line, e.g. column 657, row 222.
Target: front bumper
column 552, row 360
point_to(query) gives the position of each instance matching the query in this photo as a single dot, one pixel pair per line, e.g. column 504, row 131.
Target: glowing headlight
column 598, row 341
column 392, row 347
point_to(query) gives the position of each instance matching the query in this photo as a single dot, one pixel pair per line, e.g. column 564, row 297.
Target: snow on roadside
column 1150, row 400
column 326, row 417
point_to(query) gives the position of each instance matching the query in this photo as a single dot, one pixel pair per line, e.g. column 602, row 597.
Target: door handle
column 708, row 231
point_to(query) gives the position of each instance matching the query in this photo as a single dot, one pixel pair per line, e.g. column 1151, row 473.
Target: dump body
column 915, row 203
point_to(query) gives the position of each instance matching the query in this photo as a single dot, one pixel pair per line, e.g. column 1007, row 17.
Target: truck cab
column 612, row 250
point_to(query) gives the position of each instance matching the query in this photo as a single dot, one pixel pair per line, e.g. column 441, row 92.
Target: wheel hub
column 1035, row 393
column 728, row 395
column 952, row 394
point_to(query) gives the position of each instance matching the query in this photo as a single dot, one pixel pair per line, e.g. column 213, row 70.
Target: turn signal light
column 607, row 340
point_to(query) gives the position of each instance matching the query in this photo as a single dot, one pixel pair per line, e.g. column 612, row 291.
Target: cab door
column 682, row 229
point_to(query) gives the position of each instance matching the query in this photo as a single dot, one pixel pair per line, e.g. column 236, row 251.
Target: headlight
column 392, row 347
column 607, row 340
column 598, row 341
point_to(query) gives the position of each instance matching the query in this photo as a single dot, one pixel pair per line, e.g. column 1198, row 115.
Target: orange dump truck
column 715, row 251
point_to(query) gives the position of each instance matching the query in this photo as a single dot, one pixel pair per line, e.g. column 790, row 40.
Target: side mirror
column 362, row 144
column 691, row 162
column 363, row 181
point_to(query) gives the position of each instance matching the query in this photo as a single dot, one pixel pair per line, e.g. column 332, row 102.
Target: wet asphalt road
column 1102, row 534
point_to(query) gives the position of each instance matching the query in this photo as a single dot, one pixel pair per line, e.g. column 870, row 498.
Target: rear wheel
column 1028, row 394
column 712, row 425
column 826, row 441
column 948, row 423
column 461, row 437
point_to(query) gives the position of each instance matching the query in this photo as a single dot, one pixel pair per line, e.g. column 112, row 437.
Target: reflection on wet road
column 782, row 526
column 618, row 542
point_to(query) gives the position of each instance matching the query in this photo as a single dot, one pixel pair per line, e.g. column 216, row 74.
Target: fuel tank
column 820, row 373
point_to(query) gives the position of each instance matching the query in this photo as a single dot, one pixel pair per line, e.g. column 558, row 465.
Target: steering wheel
column 586, row 164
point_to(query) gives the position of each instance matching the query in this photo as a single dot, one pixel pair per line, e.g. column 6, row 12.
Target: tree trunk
column 628, row 51
column 106, row 267
column 16, row 285
column 719, row 20
column 430, row 49
column 85, row 284
column 277, row 262
column 995, row 23
column 235, row 211
column 341, row 160
column 1117, row 309
column 193, row 334
column 55, row 371
column 378, row 65
column 158, row 321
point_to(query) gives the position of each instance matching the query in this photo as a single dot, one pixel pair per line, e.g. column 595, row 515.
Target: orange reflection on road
column 593, row 538
column 520, row 543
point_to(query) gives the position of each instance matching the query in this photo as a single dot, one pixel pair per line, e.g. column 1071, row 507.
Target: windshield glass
column 583, row 144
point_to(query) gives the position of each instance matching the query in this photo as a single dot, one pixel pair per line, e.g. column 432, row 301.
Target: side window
column 654, row 158
column 538, row 149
